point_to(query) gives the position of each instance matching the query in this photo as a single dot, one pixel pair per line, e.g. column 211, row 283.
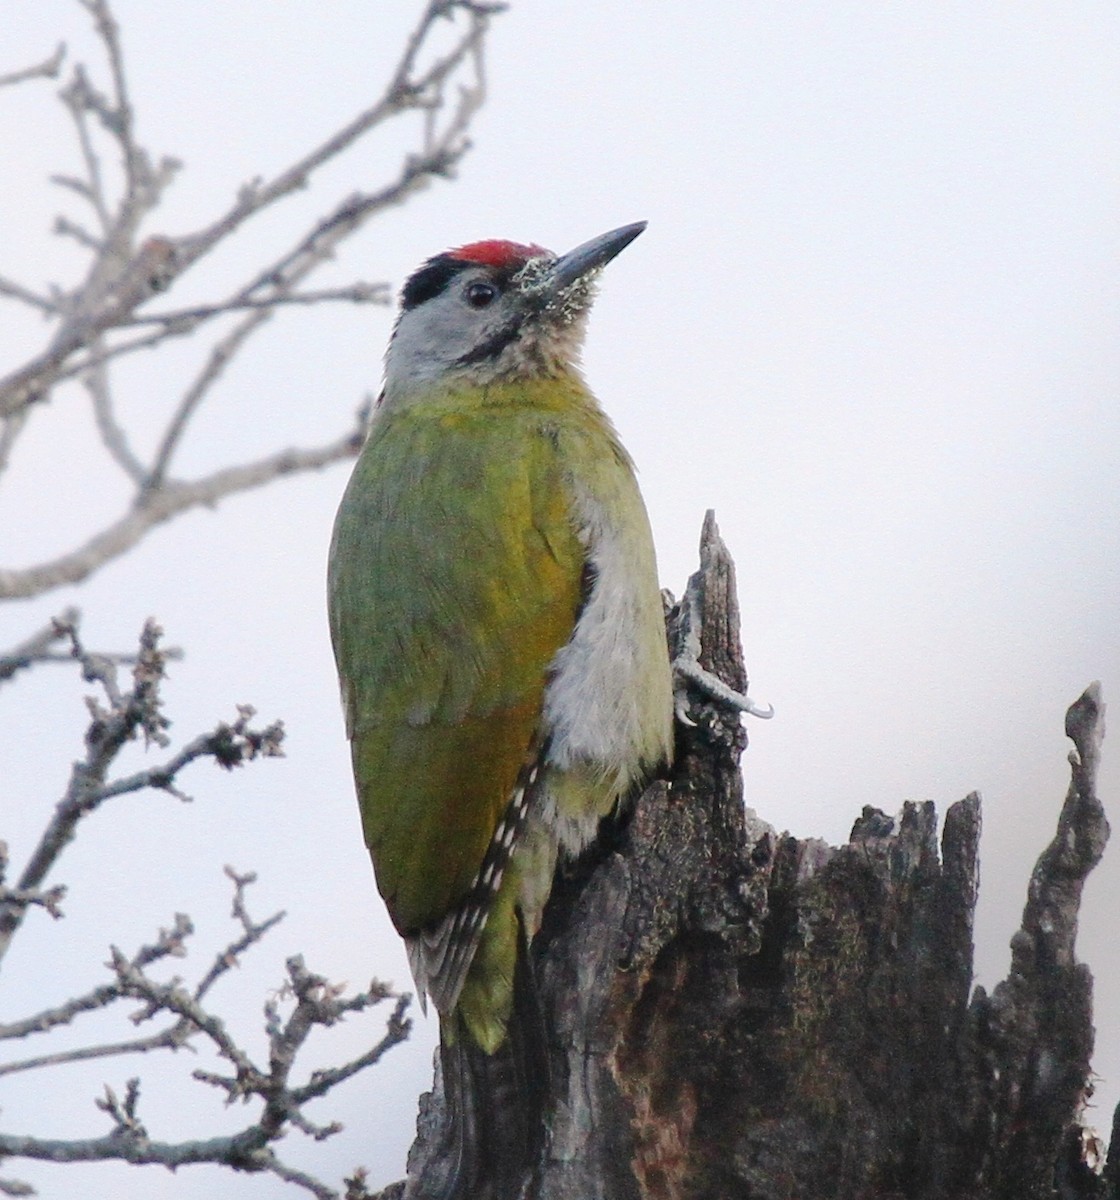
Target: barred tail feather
column 441, row 957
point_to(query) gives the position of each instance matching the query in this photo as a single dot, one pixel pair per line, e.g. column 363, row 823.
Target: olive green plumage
column 497, row 625
column 456, row 574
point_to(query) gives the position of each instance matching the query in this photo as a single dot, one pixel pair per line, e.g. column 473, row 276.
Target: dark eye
column 480, row 294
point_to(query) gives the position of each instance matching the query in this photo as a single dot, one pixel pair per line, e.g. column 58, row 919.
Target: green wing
column 455, row 577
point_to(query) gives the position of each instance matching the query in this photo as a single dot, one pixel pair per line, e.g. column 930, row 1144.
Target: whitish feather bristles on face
column 495, row 310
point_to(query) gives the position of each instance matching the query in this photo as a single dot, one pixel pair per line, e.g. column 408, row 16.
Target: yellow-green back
column 455, row 576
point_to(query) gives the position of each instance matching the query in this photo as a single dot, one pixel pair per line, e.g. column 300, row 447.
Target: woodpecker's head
column 495, row 310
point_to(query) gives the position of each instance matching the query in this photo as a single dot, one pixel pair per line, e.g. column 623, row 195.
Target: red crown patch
column 497, row 253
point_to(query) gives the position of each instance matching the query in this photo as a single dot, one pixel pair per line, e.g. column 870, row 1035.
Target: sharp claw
column 687, row 668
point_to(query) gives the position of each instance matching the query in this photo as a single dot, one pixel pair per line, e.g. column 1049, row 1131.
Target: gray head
column 494, row 310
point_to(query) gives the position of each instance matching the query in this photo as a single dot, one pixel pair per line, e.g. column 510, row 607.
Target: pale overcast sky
column 873, row 323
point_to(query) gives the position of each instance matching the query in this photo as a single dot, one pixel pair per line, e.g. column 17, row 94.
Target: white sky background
column 872, row 323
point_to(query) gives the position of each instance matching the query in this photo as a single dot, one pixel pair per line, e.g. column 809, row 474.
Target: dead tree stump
column 737, row 1014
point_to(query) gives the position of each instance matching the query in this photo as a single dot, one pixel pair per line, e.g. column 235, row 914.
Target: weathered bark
column 736, row 1013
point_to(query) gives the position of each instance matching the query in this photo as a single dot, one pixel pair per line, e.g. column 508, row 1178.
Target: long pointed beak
column 591, row 256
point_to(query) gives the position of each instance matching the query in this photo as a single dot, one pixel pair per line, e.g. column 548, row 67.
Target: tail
column 495, row 1106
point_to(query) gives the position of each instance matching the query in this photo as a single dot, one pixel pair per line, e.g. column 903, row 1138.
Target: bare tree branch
column 13, row 1187
column 306, row 1001
column 47, row 69
column 221, row 353
column 156, row 507
column 314, row 1001
column 440, row 82
column 10, row 429
column 437, row 84
column 81, row 99
column 36, row 647
column 113, row 437
column 16, row 291
column 23, row 898
column 129, row 715
column 356, row 293
column 170, row 943
column 409, row 89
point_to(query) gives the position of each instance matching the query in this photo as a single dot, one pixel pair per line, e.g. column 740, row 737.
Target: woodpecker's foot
column 687, row 670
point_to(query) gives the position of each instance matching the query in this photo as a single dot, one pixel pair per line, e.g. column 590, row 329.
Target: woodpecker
column 498, row 630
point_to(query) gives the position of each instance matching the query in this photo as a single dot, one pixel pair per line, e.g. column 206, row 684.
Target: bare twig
column 47, row 69
column 12, row 661
column 228, row 745
column 37, row 646
column 409, row 90
column 81, row 98
column 33, row 382
column 438, row 82
column 10, row 429
column 123, row 1113
column 252, row 932
column 175, row 999
column 356, row 293
column 171, row 942
column 16, row 291
column 113, row 437
column 397, row 1029
column 356, row 1185
column 48, row 898
column 157, row 507
column 37, row 649
column 221, row 353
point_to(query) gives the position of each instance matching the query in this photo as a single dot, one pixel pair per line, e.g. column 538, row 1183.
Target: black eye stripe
column 439, row 273
column 431, row 279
